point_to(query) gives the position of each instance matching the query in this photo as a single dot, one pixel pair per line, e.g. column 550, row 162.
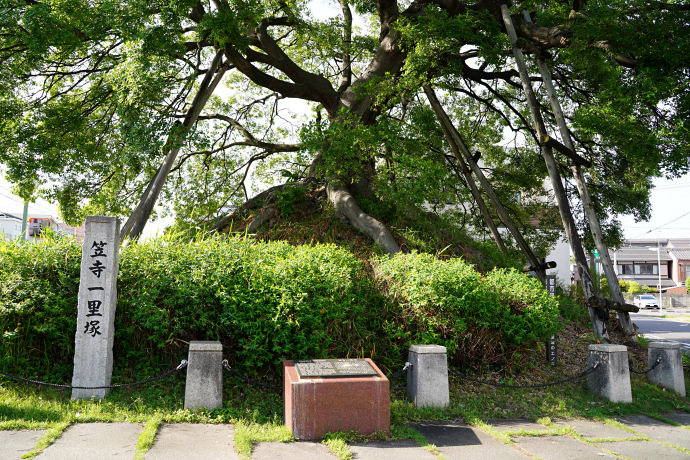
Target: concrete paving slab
column 86, row 441
column 675, row 435
column 679, row 417
column 14, row 444
column 460, row 441
column 590, row 429
column 644, row 450
column 516, row 425
column 291, row 451
column 189, row 441
column 559, row 448
column 393, row 450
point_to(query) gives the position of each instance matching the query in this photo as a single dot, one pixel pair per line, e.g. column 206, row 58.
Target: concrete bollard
column 669, row 372
column 611, row 379
column 204, row 387
column 427, row 378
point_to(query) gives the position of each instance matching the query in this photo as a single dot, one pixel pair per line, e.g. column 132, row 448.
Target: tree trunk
column 586, row 198
column 596, row 317
column 346, row 207
column 137, row 220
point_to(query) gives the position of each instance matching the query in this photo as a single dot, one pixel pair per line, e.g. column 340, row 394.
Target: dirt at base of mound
column 530, row 366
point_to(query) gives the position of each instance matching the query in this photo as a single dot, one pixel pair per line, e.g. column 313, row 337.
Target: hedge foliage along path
column 264, row 301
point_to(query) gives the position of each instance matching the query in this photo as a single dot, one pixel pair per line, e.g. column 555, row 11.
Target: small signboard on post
column 551, row 350
column 93, row 350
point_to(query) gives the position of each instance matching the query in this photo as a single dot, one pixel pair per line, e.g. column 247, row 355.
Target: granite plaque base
column 316, row 406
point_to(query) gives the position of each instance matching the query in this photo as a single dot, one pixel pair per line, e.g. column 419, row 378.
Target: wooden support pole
column 600, row 302
column 588, row 205
column 598, row 324
column 458, row 143
column 554, row 144
column 467, row 173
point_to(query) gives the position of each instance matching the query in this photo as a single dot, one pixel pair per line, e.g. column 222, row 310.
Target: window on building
column 646, row 269
column 625, row 269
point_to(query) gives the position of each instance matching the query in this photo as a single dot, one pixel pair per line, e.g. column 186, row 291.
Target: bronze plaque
column 320, row 368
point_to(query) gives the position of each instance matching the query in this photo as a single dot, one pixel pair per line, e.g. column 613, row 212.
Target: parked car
column 646, row 301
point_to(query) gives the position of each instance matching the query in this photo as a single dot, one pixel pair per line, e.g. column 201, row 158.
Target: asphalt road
column 653, row 327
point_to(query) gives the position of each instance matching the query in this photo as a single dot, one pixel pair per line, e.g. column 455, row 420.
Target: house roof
column 8, row 216
column 681, row 254
column 649, row 280
column 637, row 254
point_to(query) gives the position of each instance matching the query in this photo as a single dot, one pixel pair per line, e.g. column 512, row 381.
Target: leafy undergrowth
column 265, row 302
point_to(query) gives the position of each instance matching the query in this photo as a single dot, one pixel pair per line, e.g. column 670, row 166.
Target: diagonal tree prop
column 466, row 171
column 592, row 218
column 596, row 316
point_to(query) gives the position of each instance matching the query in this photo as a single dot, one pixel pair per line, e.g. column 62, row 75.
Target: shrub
column 477, row 320
column 265, row 302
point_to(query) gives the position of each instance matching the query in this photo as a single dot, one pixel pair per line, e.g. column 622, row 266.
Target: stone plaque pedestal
column 316, row 406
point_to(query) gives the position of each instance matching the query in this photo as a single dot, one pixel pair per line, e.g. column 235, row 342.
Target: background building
column 10, row 226
column 642, row 260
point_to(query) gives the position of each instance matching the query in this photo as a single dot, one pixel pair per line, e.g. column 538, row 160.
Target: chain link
column 569, row 379
column 658, row 361
column 401, row 371
column 182, row 365
column 226, row 365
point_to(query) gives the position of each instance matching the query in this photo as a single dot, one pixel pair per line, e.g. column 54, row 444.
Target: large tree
column 104, row 105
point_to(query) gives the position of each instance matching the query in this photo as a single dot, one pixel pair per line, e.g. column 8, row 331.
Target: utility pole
column 25, row 219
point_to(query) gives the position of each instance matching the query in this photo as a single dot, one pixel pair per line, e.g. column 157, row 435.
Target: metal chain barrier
column 182, row 365
column 658, row 361
column 401, row 371
column 569, row 379
column 226, row 365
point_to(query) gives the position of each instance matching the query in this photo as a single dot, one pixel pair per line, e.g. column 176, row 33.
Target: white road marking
column 682, row 345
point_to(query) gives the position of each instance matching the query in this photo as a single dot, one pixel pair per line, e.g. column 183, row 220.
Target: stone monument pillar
column 93, row 350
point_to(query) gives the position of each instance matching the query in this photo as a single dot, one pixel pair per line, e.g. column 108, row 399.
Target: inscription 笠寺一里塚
column 334, row 368
column 92, row 325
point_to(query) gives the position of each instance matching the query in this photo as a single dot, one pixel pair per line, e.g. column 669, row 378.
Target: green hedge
column 264, row 301
column 451, row 304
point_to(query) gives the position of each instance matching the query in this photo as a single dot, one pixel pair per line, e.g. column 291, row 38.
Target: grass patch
column 248, row 433
column 499, row 435
column 147, row 436
column 50, row 436
column 338, row 444
column 685, row 318
column 406, row 432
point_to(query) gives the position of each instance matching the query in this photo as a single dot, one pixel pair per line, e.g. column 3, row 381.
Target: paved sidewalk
column 642, row 438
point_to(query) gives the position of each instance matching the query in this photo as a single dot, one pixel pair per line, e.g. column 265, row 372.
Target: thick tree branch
column 250, row 139
column 308, row 88
column 346, row 77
